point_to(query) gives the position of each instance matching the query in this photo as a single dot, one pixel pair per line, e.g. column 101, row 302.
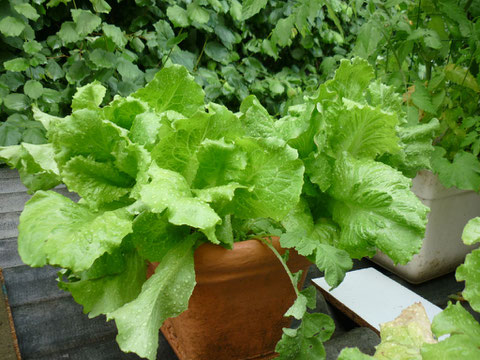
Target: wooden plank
column 8, row 339
column 370, row 298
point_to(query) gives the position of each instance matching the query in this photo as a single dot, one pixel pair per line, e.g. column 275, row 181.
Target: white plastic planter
column 443, row 249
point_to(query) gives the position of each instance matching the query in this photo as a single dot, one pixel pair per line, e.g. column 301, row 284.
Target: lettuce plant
column 159, row 173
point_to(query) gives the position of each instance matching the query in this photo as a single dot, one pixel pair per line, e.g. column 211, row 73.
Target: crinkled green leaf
column 97, row 182
column 86, row 133
column 403, row 337
column 374, row 207
column 353, row 354
column 333, row 262
column 350, row 81
column 73, row 237
column 154, row 236
column 85, row 21
column 463, row 172
column 170, row 191
column 44, row 118
column 305, row 343
column 256, row 119
column 11, row 26
column 274, row 177
column 416, row 148
column 35, row 163
column 364, row 132
column 18, row 64
column 469, row 272
column 464, row 340
column 108, row 293
column 122, row 111
column 164, row 295
column 172, row 88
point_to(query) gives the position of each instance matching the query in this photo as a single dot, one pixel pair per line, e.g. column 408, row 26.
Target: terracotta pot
column 236, row 309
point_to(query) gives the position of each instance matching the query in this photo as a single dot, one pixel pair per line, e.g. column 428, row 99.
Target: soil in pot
column 236, row 309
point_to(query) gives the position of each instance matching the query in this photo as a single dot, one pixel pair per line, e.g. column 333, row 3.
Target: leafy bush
column 430, row 51
column 273, row 50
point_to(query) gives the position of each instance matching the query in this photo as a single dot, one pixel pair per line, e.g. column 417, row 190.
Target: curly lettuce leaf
column 169, row 191
column 105, row 294
column 163, row 295
column 374, row 207
column 464, row 339
column 123, row 111
column 35, row 164
column 73, row 237
column 153, row 236
column 416, row 148
column 401, row 339
column 172, row 88
column 317, row 241
column 89, row 96
column 273, row 177
column 363, row 131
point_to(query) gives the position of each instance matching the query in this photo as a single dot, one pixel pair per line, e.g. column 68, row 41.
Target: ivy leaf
column 252, row 7
column 33, row 89
column 9, row 134
column 17, row 102
column 197, row 13
column 85, row 21
column 53, row 70
column 178, row 16
column 27, row 10
column 11, row 26
column 32, row 47
column 115, row 34
column 101, row 6
column 18, row 64
column 68, row 33
column 463, row 172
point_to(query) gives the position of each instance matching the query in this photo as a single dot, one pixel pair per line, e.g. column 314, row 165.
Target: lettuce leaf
column 73, row 237
column 163, row 295
column 374, row 207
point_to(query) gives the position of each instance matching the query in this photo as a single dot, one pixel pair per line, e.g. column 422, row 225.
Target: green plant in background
column 275, row 50
column 429, row 50
column 159, row 172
